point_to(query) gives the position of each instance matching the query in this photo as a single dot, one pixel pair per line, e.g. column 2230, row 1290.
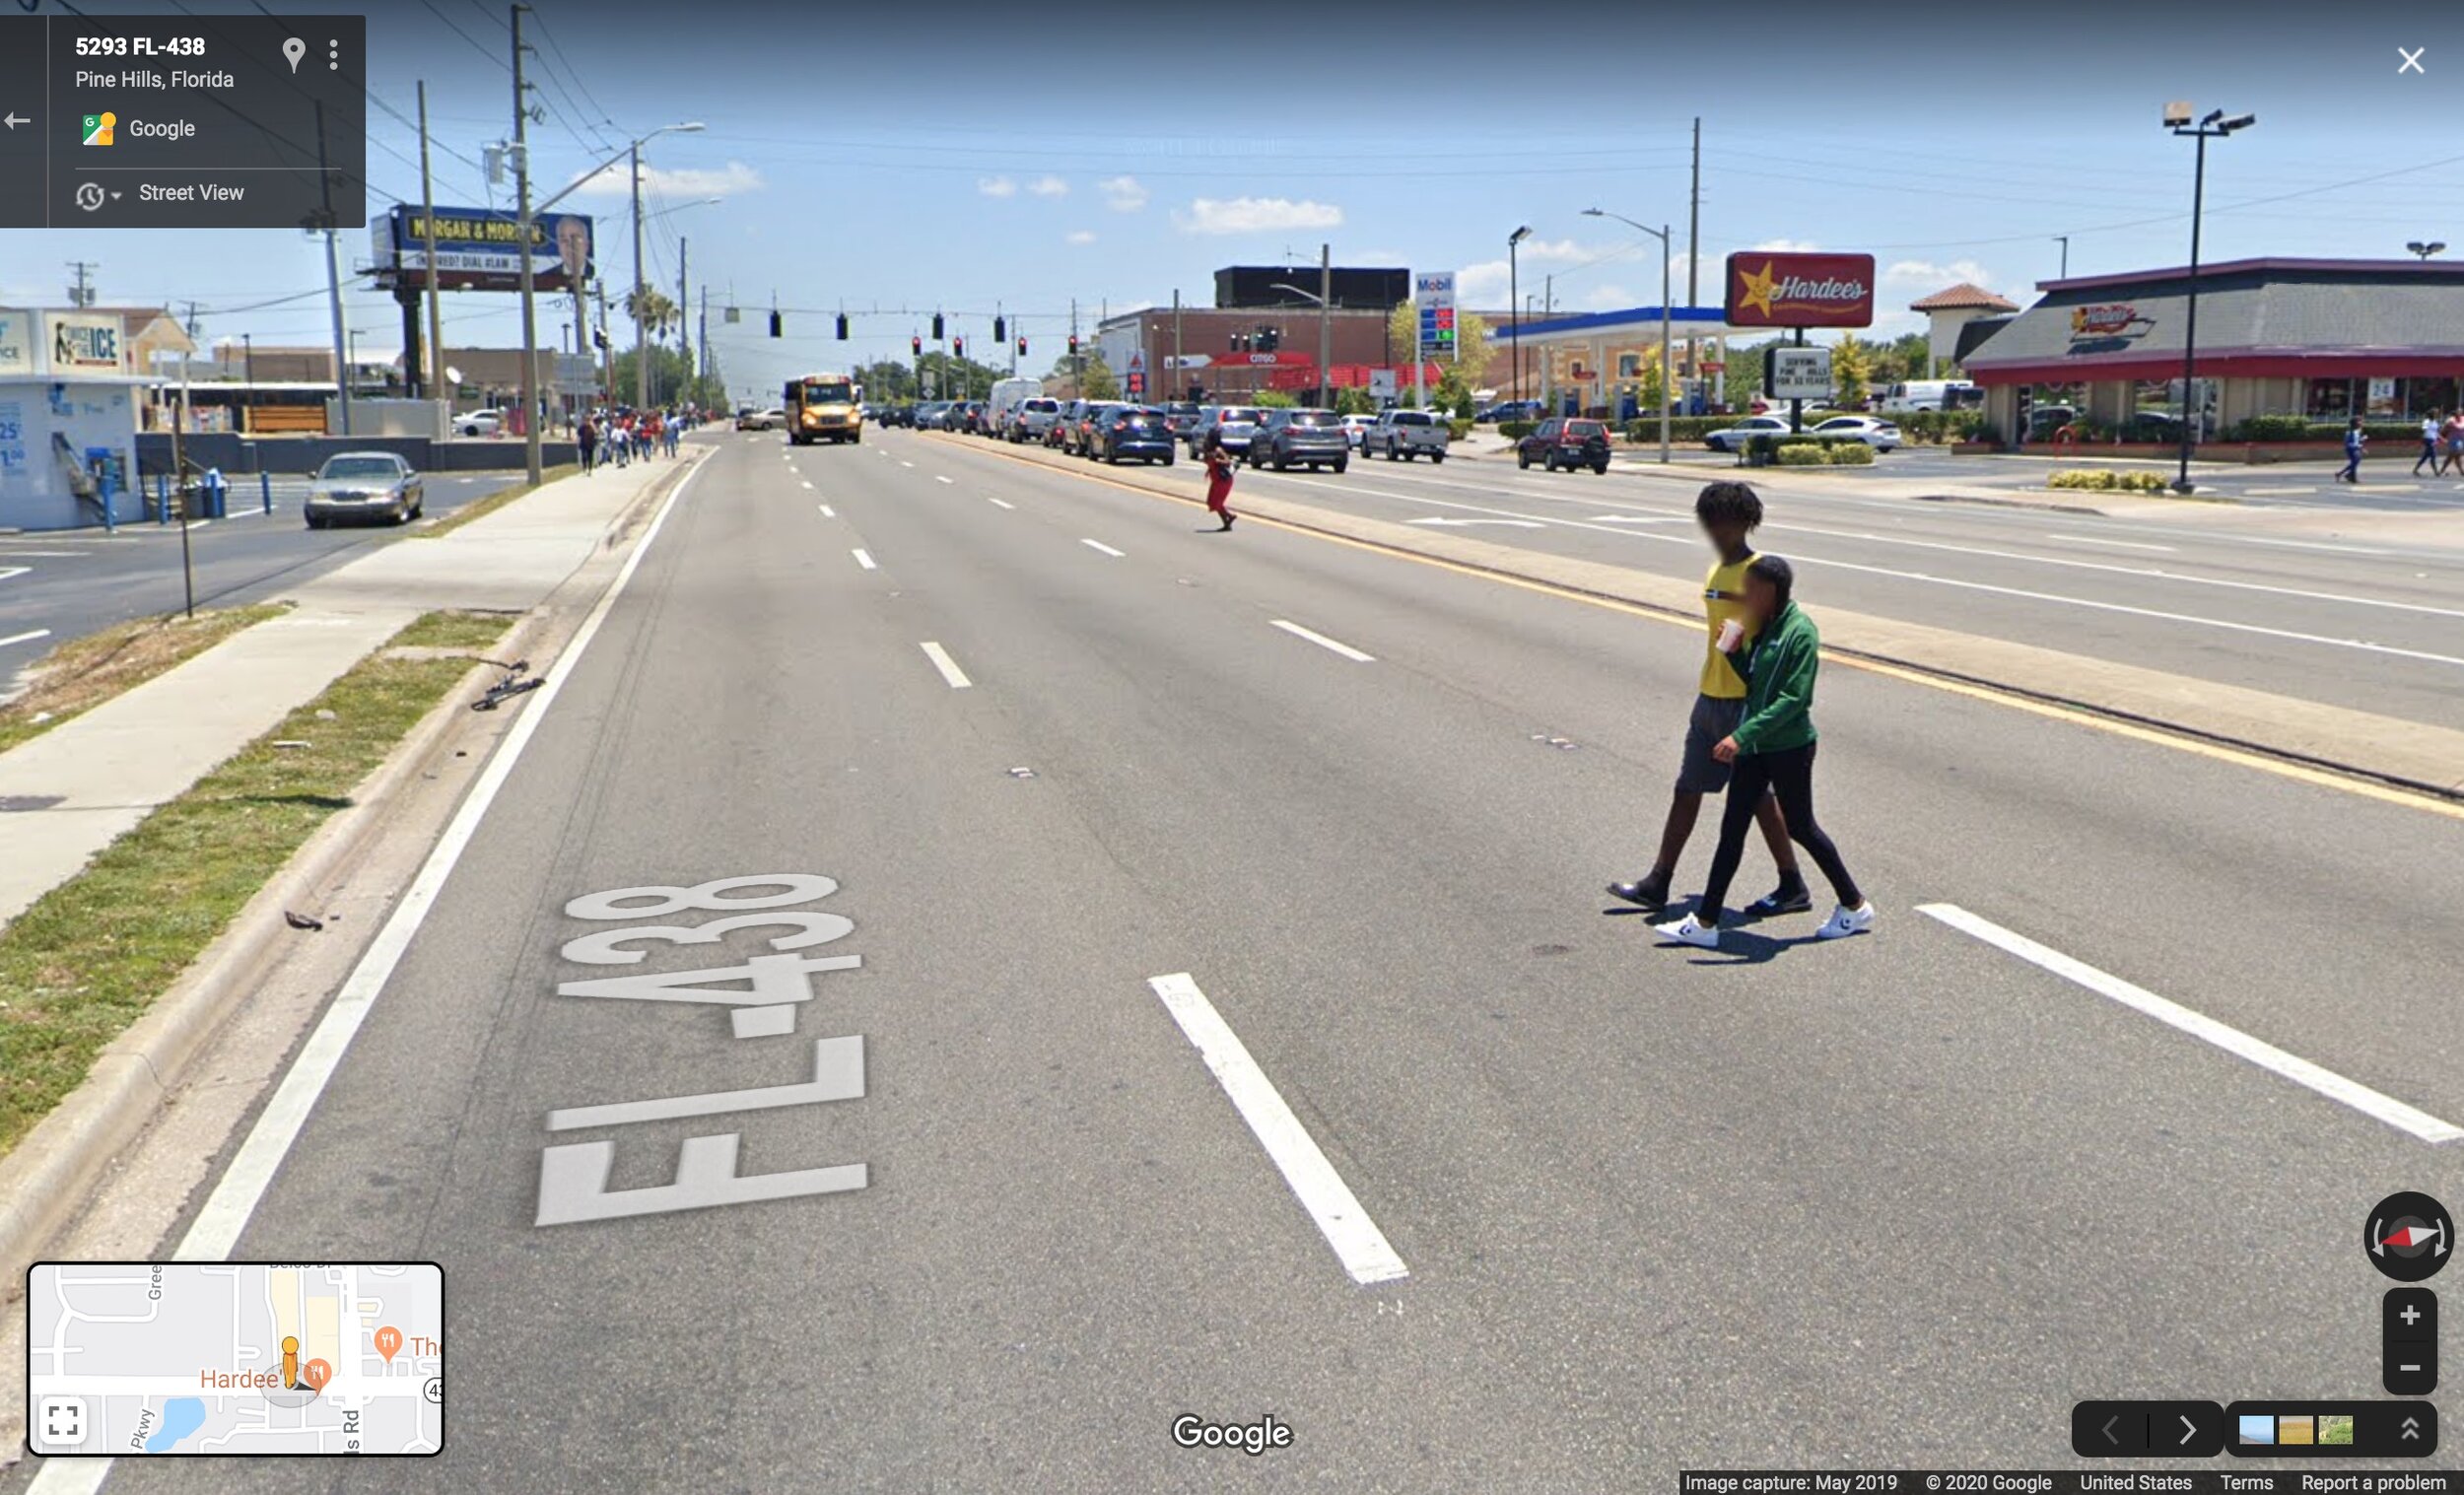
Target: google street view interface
column 1142, row 747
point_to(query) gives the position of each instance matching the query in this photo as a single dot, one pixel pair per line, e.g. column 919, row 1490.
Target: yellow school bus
column 824, row 407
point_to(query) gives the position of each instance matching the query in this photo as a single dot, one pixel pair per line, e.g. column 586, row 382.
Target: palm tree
column 654, row 308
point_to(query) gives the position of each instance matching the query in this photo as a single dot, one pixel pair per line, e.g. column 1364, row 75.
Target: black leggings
column 1789, row 774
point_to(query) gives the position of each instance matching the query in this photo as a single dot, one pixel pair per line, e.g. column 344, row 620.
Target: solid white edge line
column 1106, row 549
column 243, row 1182
column 1358, row 1243
column 2198, row 1025
column 1322, row 641
column 949, row 667
column 25, row 637
column 864, row 558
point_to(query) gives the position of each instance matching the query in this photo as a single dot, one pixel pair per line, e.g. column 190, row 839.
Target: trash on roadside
column 302, row 920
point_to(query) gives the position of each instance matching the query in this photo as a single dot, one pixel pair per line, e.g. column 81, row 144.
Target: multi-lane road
column 1239, row 1029
column 59, row 585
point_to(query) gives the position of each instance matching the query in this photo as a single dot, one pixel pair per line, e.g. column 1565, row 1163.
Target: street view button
column 2146, row 1429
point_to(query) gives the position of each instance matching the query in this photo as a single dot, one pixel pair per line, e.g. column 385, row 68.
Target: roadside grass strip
column 83, row 674
column 93, row 954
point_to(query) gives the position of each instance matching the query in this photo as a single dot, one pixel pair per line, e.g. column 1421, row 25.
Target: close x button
column 2146, row 1429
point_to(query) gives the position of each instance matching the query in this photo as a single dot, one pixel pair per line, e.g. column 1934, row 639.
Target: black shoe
column 1642, row 893
column 1228, row 518
column 1787, row 898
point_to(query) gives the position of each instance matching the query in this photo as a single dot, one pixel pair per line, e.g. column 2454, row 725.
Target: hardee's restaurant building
column 2323, row 339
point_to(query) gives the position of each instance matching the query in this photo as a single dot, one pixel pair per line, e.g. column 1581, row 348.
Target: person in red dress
column 1218, row 479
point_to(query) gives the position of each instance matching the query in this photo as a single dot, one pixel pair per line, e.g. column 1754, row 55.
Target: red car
column 1559, row 442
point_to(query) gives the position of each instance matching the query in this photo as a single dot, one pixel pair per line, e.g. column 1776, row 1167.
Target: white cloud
column 1124, row 194
column 1254, row 215
column 679, row 182
column 1787, row 245
column 996, row 187
column 1048, row 187
column 1486, row 284
column 1938, row 277
column 1083, row 236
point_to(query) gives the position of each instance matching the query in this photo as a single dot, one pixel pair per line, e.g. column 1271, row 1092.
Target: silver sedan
column 364, row 485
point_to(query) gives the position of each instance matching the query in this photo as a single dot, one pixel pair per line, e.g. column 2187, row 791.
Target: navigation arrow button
column 15, row 119
column 2190, row 1430
column 2110, row 1436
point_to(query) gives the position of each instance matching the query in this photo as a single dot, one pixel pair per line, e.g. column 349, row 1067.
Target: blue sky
column 968, row 156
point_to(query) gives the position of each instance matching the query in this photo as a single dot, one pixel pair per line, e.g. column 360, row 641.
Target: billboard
column 1434, row 292
column 17, row 343
column 1798, row 374
column 479, row 248
column 1767, row 288
column 1353, row 287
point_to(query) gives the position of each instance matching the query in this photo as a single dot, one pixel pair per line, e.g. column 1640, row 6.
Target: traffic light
column 773, row 325
column 1073, row 345
column 958, row 346
column 937, row 326
column 1000, row 329
column 842, row 326
column 1022, row 345
column 916, row 342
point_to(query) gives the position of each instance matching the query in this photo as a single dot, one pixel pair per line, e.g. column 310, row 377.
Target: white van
column 1934, row 394
column 1006, row 395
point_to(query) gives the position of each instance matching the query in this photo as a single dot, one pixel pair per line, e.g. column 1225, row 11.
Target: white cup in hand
column 1732, row 634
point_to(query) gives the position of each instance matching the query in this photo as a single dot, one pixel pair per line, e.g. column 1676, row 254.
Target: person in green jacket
column 1773, row 746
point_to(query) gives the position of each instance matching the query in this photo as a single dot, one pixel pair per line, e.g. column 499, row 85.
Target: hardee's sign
column 1770, row 289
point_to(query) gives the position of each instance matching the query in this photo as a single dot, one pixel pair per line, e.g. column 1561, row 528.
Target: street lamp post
column 525, row 218
column 2214, row 127
column 1667, row 251
column 1325, row 339
column 1513, row 302
column 2422, row 250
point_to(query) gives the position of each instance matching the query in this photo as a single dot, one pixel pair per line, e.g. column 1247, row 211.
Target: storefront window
column 2329, row 400
column 2383, row 396
column 2424, row 395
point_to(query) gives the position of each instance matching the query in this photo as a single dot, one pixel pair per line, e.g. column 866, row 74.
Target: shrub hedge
column 2107, row 480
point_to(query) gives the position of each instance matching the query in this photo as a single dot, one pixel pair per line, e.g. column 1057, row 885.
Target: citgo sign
column 1771, row 288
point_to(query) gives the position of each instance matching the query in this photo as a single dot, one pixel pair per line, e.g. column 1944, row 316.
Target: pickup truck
column 1401, row 435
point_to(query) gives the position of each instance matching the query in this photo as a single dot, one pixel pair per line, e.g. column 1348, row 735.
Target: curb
column 45, row 1180
column 2042, row 505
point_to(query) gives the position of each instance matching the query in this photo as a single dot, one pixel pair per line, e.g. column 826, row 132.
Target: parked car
column 1734, row 438
column 479, row 423
column 1565, row 441
column 1030, row 419
column 1401, row 435
column 1312, row 437
column 1132, row 430
column 1882, row 436
column 1511, row 410
column 364, row 485
column 1233, row 423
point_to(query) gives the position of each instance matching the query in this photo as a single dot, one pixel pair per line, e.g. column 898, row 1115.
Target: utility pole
column 1180, row 371
column 608, row 344
column 531, row 461
column 1077, row 360
column 81, row 294
column 1694, row 222
column 1326, row 325
column 436, row 310
column 702, row 363
column 684, row 332
column 333, row 279
column 640, row 344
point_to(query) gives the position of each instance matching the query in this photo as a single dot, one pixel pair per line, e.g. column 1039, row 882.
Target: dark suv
column 1130, row 431
column 1559, row 442
column 1314, row 436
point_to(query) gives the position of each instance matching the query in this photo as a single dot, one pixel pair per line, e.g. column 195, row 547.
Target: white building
column 69, row 409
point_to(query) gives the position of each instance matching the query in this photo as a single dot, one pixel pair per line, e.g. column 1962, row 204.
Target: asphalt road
column 2354, row 617
column 1895, row 1200
column 62, row 584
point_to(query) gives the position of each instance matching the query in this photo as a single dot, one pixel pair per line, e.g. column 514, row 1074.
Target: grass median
column 83, row 674
column 93, row 954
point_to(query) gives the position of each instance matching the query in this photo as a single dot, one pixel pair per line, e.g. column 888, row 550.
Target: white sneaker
column 1845, row 922
column 1688, row 931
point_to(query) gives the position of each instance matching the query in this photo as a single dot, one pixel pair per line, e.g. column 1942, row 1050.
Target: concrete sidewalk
column 87, row 781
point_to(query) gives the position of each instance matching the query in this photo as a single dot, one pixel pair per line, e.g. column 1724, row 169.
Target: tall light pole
column 1667, row 250
column 640, row 287
column 1513, row 302
column 525, row 218
column 2064, row 239
column 2421, row 250
column 1326, row 381
column 2214, row 126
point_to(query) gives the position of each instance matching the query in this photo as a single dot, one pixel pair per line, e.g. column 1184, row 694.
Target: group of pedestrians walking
column 2442, row 443
column 1751, row 734
column 616, row 438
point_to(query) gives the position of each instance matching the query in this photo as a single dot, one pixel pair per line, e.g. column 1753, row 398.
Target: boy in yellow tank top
column 1728, row 513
